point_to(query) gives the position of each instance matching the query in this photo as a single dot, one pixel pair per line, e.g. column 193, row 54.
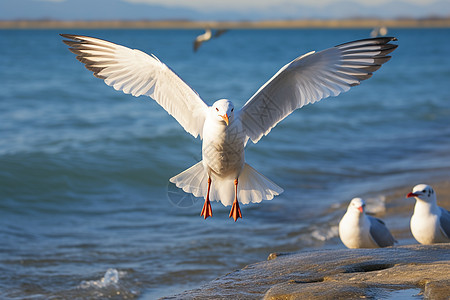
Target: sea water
column 86, row 208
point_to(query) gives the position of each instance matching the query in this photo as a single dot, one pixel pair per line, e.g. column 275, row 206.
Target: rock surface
column 422, row 270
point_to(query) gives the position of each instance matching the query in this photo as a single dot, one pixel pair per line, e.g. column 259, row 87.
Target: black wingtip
column 68, row 36
column 73, row 37
column 382, row 40
column 387, row 39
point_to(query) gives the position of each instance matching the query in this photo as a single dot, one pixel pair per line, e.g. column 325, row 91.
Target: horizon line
column 355, row 22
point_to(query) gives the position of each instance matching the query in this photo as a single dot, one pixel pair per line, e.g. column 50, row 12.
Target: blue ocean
column 86, row 208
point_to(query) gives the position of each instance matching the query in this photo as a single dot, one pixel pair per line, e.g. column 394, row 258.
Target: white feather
column 430, row 223
column 253, row 187
column 307, row 79
column 310, row 78
column 134, row 72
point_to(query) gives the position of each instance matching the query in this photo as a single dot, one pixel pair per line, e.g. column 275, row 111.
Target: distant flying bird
column 225, row 130
column 219, row 32
column 379, row 31
column 358, row 230
column 430, row 223
column 199, row 40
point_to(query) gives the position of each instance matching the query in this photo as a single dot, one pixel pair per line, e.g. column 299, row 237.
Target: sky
column 218, row 10
column 249, row 4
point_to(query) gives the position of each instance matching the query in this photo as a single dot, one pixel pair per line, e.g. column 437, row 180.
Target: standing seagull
column 358, row 230
column 430, row 223
column 224, row 130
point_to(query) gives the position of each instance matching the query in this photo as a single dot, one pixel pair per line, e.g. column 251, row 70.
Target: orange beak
column 361, row 209
column 411, row 195
column 225, row 118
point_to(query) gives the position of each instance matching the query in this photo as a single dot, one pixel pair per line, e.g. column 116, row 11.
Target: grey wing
column 444, row 220
column 380, row 233
column 310, row 78
column 219, row 32
column 197, row 45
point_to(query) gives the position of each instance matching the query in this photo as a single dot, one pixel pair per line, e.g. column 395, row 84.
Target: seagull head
column 223, row 111
column 357, row 204
column 423, row 192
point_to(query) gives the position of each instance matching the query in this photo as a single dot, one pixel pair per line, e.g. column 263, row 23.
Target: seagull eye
column 217, row 109
column 232, row 109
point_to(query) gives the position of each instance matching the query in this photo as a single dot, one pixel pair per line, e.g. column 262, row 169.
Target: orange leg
column 235, row 210
column 207, row 211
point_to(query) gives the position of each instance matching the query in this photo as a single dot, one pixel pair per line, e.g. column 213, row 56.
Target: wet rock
column 438, row 289
column 275, row 255
column 337, row 274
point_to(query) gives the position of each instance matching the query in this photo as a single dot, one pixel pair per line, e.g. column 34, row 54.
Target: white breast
column 223, row 148
column 355, row 232
column 425, row 226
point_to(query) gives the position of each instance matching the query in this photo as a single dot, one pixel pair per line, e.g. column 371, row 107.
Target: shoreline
column 264, row 24
column 290, row 275
column 389, row 273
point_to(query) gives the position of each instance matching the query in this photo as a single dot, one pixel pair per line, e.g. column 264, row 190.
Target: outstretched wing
column 310, row 78
column 134, row 72
column 380, row 233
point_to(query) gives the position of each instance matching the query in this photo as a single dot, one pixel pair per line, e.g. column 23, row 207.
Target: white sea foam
column 111, row 278
column 324, row 234
column 375, row 205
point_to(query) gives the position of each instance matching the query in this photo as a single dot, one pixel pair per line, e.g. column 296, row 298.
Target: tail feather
column 193, row 180
column 253, row 187
column 222, row 191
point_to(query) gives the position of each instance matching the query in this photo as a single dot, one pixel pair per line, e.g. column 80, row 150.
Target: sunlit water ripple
column 86, row 210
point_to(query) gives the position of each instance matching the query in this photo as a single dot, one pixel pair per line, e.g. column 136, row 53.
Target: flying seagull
column 430, row 223
column 225, row 130
column 199, row 40
column 379, row 31
column 358, row 230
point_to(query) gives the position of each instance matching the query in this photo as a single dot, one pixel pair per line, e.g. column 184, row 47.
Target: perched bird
column 429, row 223
column 199, row 40
column 223, row 175
column 358, row 230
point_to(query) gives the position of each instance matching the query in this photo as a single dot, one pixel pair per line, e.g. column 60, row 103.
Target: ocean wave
column 84, row 169
column 110, row 279
column 111, row 285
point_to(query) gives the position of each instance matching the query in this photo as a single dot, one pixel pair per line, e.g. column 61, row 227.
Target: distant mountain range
column 121, row 10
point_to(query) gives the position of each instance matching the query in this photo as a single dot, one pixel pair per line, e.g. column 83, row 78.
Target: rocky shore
column 419, row 271
column 407, row 270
